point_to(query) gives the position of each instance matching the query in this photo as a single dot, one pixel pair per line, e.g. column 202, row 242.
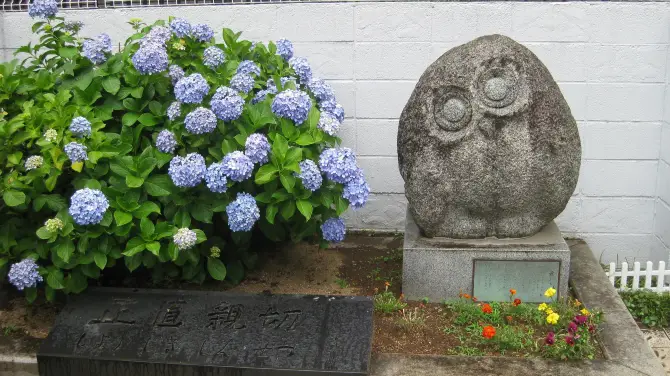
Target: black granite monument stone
column 123, row 332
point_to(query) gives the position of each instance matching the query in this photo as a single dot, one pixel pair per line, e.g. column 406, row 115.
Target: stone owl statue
column 487, row 145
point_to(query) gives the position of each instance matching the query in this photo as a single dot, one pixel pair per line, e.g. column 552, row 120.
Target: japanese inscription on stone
column 127, row 329
column 494, row 278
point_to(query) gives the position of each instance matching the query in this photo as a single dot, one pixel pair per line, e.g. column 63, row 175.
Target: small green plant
column 650, row 308
column 411, row 318
column 386, row 302
column 342, row 283
column 9, row 329
column 425, row 300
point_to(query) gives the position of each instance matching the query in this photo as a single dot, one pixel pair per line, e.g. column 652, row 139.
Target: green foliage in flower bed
column 650, row 308
column 100, row 162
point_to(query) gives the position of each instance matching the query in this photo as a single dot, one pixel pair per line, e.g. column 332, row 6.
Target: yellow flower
column 542, row 307
column 553, row 318
column 585, row 312
column 550, row 292
column 549, row 311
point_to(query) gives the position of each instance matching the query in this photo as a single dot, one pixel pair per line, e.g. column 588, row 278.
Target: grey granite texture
column 442, row 268
column 487, row 144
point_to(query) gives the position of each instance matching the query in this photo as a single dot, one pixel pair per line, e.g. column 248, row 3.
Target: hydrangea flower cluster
column 248, row 67
column 339, row 164
column 213, row 57
column 242, row 82
column 203, row 33
column 24, row 274
column 333, row 108
column 227, row 104
column 285, row 48
column 201, row 120
column 257, row 148
column 215, row 252
column 96, row 50
column 88, row 206
column 80, row 127
column 328, row 123
column 150, row 58
column 301, row 68
column 242, row 213
column 216, row 178
column 357, row 191
column 180, row 27
column 310, row 175
column 166, row 142
column 76, row 152
column 333, row 230
column 53, row 225
column 158, row 35
column 43, row 8
column 185, row 239
column 191, row 89
column 321, row 90
column 33, row 162
column 50, row 135
column 176, row 73
column 174, row 110
column 237, row 166
column 187, row 172
column 292, row 104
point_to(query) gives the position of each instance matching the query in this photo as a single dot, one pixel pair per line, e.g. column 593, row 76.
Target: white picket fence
column 657, row 284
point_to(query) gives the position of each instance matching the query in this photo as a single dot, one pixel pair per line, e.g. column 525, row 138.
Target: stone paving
column 659, row 341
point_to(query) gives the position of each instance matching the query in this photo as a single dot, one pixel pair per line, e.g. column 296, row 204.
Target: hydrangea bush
column 173, row 154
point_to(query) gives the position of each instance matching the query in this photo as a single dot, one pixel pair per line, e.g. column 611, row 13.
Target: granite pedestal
column 442, row 268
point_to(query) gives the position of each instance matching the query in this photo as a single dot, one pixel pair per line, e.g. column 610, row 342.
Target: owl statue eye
column 498, row 86
column 451, row 108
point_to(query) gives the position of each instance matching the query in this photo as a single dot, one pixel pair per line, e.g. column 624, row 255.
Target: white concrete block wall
column 609, row 58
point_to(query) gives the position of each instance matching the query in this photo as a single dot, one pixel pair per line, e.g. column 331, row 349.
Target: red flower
column 580, row 319
column 488, row 332
column 509, row 319
column 474, row 299
column 486, row 308
column 572, row 328
column 551, row 338
column 592, row 328
column 570, row 340
column 517, row 301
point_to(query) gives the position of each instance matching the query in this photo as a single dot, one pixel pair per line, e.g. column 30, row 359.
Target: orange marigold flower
column 387, row 284
column 466, row 296
column 486, row 308
column 512, row 291
column 517, row 301
column 488, row 332
column 509, row 318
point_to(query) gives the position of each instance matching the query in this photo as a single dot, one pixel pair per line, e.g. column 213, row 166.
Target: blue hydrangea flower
column 180, row 27
column 356, row 191
column 333, row 108
column 237, row 166
column 88, row 206
column 76, row 152
column 203, row 33
column 216, row 178
column 242, row 82
column 185, row 239
column 257, row 148
column 248, row 67
column 33, row 162
column 24, row 274
column 201, row 120
column 213, row 57
column 80, row 127
column 339, row 164
column 166, row 142
column 191, row 89
column 292, row 104
column 187, row 172
column 284, row 48
column 174, row 110
column 96, row 50
column 176, row 73
column 328, row 123
column 301, row 68
column 321, row 90
column 333, row 230
column 227, row 104
column 43, row 8
column 150, row 59
column 272, row 87
column 242, row 213
column 159, row 35
column 261, row 95
column 310, row 175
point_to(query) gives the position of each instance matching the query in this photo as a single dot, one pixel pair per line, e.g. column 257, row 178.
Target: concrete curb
column 625, row 348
